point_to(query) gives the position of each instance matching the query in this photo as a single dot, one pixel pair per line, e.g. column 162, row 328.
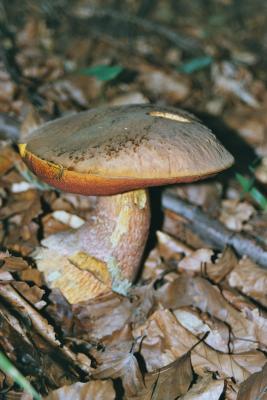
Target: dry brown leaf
column 178, row 226
column 65, row 92
column 260, row 322
column 42, row 327
column 60, row 312
column 234, row 214
column 92, row 390
column 18, row 396
column 22, row 238
column 22, row 203
column 228, row 78
column 168, row 382
column 101, row 317
column 129, row 98
column 170, row 248
column 248, row 309
column 196, row 261
column 224, row 263
column 86, row 87
column 231, row 390
column 31, row 121
column 250, row 279
column 21, row 208
column 32, row 275
column 169, row 86
column 28, row 353
column 157, row 343
column 71, row 220
column 255, row 387
column 257, row 228
column 204, row 194
column 154, row 266
column 122, row 337
column 206, row 388
column 120, row 364
column 51, row 225
column 12, row 264
column 7, row 155
column 5, row 276
column 74, row 203
column 199, row 324
column 164, row 339
column 238, row 300
column 202, row 294
column 33, row 293
column 250, row 125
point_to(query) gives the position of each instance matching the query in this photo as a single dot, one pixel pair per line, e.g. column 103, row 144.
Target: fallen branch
column 9, row 127
column 135, row 25
column 42, row 327
column 213, row 231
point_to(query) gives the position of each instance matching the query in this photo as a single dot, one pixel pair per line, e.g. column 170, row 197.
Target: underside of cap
column 113, row 150
column 94, row 185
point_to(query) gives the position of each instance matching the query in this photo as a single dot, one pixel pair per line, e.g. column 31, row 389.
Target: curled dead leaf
column 255, row 387
column 234, row 214
column 92, row 390
column 200, row 293
column 205, row 388
column 196, row 261
column 250, row 279
column 168, row 382
column 124, row 365
column 225, row 262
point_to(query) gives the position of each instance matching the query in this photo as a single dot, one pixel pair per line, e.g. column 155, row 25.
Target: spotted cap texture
column 112, row 150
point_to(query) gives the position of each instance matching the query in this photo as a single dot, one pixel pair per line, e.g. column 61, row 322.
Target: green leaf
column 9, row 369
column 245, row 183
column 102, row 72
column 195, row 64
column 259, row 198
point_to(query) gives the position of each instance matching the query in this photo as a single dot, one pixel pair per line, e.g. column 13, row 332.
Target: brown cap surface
column 112, row 150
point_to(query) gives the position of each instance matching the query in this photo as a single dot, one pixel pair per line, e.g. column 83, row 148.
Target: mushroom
column 115, row 153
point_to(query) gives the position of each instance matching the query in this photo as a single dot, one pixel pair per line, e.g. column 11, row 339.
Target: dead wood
column 213, row 232
column 42, row 327
column 108, row 20
column 9, row 127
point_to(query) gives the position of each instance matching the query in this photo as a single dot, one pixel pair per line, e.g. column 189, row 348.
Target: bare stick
column 40, row 325
column 213, row 231
column 127, row 21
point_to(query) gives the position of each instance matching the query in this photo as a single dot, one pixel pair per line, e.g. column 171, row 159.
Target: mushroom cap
column 111, row 150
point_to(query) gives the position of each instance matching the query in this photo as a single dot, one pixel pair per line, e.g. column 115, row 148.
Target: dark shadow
column 119, row 390
column 155, row 224
column 243, row 153
column 244, row 157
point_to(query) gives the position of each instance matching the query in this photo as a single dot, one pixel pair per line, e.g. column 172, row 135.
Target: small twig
column 9, row 127
column 40, row 325
column 213, row 231
column 137, row 24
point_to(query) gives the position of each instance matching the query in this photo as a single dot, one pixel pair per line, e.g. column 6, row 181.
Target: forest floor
column 194, row 325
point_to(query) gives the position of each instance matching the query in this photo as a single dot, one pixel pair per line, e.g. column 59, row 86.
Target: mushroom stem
column 108, row 248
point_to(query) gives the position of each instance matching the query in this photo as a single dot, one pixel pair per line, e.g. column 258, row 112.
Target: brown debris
column 93, row 390
column 250, row 279
column 195, row 326
column 254, row 387
column 41, row 326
